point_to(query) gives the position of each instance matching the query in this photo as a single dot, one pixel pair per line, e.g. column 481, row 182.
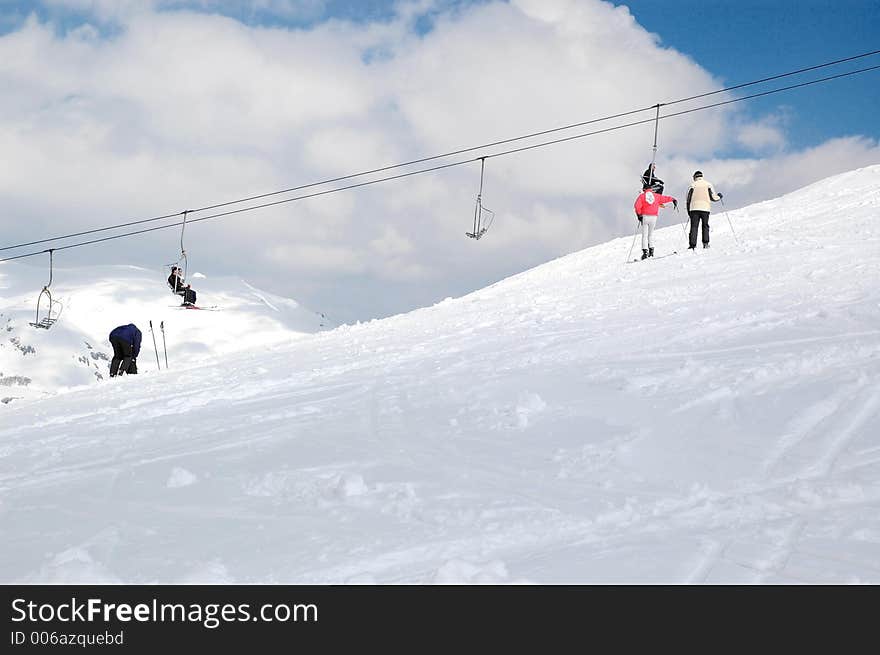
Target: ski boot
column 650, row 252
column 644, row 254
column 705, row 245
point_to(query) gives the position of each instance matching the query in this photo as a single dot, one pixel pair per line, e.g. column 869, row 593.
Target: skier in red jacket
column 647, row 206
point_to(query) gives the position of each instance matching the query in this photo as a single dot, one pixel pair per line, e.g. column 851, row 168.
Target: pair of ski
column 212, row 308
column 164, row 348
column 639, row 259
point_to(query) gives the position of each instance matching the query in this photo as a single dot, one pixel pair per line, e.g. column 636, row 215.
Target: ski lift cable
column 247, row 209
column 777, row 77
column 439, row 156
column 683, row 112
column 503, row 153
column 342, row 178
column 87, row 232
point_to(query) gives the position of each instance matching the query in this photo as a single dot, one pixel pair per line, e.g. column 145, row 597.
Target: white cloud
column 391, row 244
column 764, row 135
column 317, row 258
column 180, row 109
column 752, row 180
column 338, row 148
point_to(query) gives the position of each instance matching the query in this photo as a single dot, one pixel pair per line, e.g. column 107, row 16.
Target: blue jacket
column 130, row 334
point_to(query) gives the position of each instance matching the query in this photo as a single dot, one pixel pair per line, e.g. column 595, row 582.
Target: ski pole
column 632, row 245
column 164, row 347
column 155, row 349
column 736, row 238
column 683, row 228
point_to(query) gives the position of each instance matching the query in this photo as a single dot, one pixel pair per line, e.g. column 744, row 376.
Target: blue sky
column 289, row 13
column 750, row 39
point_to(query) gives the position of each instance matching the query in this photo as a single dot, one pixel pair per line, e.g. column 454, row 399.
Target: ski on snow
column 639, row 259
column 212, row 308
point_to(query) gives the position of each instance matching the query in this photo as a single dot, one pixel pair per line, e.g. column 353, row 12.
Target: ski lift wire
column 454, row 164
column 447, row 154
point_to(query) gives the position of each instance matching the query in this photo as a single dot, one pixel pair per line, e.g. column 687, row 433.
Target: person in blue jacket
column 126, row 342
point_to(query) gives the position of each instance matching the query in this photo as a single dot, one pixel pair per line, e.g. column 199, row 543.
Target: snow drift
column 707, row 417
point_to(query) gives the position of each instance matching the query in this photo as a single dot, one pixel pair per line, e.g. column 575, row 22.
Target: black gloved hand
column 675, row 203
column 639, row 217
column 720, row 196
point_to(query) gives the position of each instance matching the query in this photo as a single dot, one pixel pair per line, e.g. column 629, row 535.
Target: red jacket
column 648, row 203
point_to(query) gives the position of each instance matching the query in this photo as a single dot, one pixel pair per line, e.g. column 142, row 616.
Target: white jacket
column 700, row 194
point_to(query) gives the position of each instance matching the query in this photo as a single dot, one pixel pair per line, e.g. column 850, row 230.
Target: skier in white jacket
column 699, row 199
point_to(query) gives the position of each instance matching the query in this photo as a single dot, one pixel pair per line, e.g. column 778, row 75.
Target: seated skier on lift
column 651, row 181
column 175, row 281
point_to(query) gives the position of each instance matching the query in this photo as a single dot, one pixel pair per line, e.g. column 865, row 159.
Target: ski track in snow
column 712, row 417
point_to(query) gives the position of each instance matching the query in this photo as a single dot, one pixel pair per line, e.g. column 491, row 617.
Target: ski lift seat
column 483, row 221
column 51, row 307
column 44, row 323
column 171, row 286
column 483, row 217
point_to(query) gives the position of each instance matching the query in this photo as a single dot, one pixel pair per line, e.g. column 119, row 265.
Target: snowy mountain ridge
column 705, row 417
column 36, row 363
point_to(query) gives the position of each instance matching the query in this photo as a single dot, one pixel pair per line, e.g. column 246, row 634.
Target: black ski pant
column 698, row 217
column 123, row 358
column 189, row 295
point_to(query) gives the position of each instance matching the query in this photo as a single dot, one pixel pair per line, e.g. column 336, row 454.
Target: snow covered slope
column 75, row 351
column 705, row 417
